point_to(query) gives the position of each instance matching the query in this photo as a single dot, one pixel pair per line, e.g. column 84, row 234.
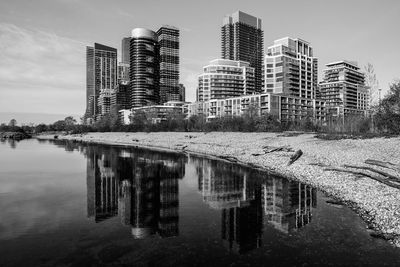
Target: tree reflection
column 12, row 143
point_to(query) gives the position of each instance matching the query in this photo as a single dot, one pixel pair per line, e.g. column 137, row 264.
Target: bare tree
column 373, row 84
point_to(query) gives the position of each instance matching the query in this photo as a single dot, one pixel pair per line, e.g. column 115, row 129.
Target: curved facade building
column 144, row 68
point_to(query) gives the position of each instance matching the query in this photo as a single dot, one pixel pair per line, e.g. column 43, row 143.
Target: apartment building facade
column 104, row 102
column 291, row 69
column 285, row 108
column 343, row 89
column 101, row 76
column 224, row 78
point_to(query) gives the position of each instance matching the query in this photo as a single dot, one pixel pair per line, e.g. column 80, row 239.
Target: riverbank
column 377, row 203
column 14, row 135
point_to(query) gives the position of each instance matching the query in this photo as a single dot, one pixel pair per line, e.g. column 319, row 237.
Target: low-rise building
column 158, row 113
column 343, row 89
column 125, row 116
column 154, row 113
column 284, row 107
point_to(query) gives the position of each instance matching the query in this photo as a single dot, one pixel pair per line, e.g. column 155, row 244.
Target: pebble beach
column 378, row 204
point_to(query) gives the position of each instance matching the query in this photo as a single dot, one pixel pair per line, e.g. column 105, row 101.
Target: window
column 149, row 47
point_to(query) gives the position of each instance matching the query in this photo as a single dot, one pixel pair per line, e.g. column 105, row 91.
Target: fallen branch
column 385, row 164
column 389, row 176
column 268, row 149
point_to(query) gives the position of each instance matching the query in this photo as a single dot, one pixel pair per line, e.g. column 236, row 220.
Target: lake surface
column 72, row 204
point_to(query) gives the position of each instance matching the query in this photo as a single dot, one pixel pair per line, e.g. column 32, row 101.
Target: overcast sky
column 42, row 42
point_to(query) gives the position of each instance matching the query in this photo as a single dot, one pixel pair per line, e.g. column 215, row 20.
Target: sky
column 43, row 42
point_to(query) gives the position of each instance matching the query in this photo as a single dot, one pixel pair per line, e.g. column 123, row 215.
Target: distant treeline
column 384, row 119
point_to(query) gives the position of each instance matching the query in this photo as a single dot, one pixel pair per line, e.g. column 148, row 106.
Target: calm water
column 70, row 204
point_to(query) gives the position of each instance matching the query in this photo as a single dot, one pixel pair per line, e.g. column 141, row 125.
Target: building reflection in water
column 250, row 199
column 140, row 186
column 287, row 204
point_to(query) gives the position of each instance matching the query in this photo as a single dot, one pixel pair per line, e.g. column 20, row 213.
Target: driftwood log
column 270, row 149
column 387, row 175
column 295, row 157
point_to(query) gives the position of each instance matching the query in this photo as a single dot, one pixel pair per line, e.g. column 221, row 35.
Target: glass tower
column 101, row 76
column 168, row 39
column 144, row 68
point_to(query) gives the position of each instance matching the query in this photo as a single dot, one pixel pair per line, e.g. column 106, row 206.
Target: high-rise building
column 182, row 93
column 343, row 89
column 104, row 102
column 291, row 68
column 242, row 39
column 101, row 75
column 125, row 50
column 168, row 40
column 123, row 72
column 224, row 78
column 123, row 66
column 121, row 96
column 144, row 68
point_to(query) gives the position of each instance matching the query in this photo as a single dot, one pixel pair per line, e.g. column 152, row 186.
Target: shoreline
column 376, row 203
